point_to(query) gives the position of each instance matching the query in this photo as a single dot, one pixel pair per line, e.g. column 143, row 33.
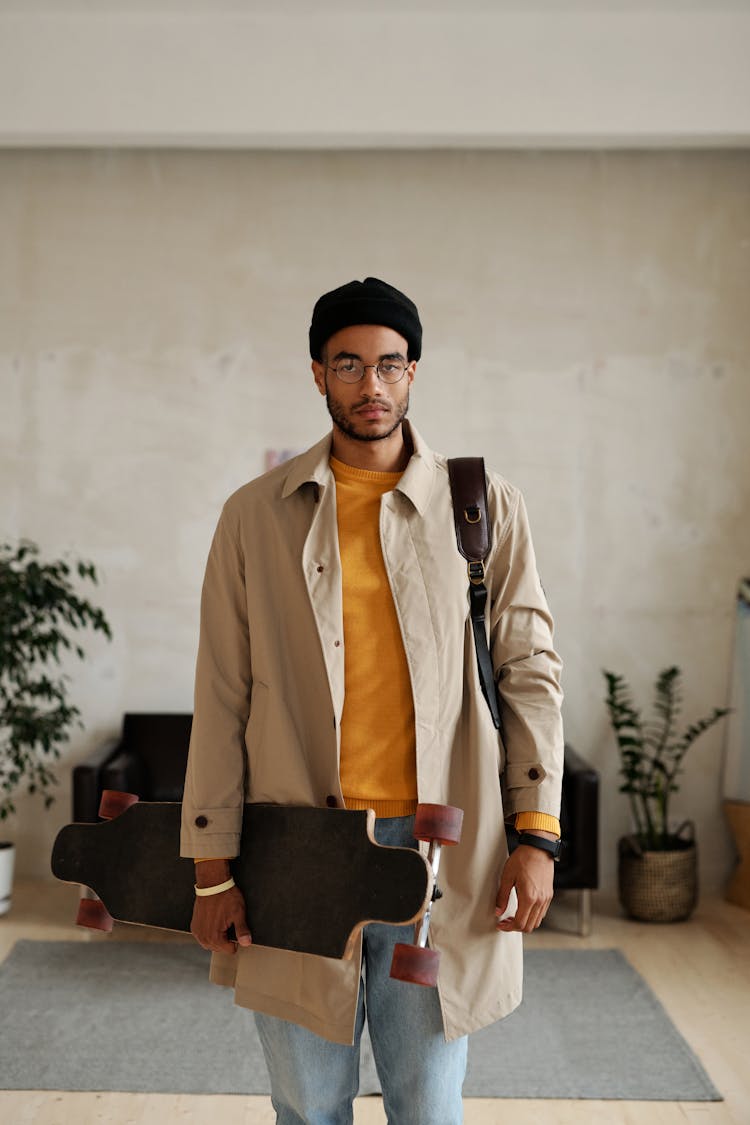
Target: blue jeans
column 314, row 1081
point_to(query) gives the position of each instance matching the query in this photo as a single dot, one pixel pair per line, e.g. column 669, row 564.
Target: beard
column 342, row 422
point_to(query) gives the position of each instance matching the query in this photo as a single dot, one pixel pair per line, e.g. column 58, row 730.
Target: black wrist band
column 552, row 847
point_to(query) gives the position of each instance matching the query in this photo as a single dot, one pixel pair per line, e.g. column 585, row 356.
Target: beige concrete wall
column 586, row 329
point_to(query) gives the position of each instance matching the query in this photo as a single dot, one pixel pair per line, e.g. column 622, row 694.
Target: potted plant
column 38, row 607
column 657, row 863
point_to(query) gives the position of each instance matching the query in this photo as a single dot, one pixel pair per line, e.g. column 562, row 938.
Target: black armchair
column 148, row 759
column 150, row 755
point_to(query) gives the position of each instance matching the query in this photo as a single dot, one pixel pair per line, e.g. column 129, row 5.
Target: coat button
column 336, row 644
column 201, row 821
column 331, row 801
column 320, row 570
column 533, row 773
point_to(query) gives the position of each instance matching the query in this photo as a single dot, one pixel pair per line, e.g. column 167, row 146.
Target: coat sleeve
column 215, row 778
column 527, row 669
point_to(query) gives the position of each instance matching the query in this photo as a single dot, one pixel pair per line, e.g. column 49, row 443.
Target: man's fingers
column 520, row 922
column 524, row 913
column 533, row 919
column 212, row 917
column 237, row 918
column 224, row 946
column 241, row 930
column 531, row 916
column 503, row 896
column 510, row 907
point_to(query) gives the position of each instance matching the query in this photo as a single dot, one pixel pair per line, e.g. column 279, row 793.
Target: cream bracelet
column 215, row 890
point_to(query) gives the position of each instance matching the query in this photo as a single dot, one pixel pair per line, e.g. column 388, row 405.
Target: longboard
column 311, row 877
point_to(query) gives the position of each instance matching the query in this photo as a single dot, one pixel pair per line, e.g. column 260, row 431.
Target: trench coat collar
column 312, row 467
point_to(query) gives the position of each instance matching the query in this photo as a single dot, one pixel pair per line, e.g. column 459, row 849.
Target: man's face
column 369, row 410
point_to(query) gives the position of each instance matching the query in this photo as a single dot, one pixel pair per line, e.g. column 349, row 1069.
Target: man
column 336, row 667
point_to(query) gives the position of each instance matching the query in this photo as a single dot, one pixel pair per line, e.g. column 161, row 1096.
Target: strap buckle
column 476, row 573
column 472, row 514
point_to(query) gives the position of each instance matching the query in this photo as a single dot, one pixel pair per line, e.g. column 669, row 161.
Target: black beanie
column 365, row 302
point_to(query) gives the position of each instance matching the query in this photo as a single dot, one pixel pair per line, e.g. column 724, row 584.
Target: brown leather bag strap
column 468, row 482
column 469, row 492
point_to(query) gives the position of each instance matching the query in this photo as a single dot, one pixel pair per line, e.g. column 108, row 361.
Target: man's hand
column 214, row 914
column 531, row 871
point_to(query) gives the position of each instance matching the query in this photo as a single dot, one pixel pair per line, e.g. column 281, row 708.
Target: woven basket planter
column 658, row 886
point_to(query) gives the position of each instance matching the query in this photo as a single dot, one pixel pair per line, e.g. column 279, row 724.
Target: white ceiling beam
column 532, row 78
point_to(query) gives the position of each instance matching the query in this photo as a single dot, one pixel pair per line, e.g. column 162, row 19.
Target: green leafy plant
column 652, row 752
column 38, row 606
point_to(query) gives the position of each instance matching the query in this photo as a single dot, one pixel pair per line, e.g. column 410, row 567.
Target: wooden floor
column 700, row 970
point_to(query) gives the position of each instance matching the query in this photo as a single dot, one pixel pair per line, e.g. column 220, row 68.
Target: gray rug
column 137, row 1016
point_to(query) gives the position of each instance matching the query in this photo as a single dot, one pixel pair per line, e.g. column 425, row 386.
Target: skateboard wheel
column 93, row 913
column 438, row 822
column 114, row 802
column 415, row 964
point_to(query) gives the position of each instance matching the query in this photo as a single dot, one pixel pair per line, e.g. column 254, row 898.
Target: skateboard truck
column 92, row 912
column 437, row 825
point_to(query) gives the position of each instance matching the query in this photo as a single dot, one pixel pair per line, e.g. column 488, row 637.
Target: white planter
column 7, row 857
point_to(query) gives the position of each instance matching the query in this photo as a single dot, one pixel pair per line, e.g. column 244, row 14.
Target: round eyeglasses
column 352, row 370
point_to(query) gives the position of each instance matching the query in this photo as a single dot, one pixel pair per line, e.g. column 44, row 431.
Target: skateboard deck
column 311, row 877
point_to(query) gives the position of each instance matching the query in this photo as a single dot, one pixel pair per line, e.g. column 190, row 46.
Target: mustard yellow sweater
column 378, row 763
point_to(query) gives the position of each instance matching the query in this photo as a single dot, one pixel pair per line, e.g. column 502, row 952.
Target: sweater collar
column 312, row 467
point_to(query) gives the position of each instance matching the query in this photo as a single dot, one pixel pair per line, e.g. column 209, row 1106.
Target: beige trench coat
column 269, row 693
